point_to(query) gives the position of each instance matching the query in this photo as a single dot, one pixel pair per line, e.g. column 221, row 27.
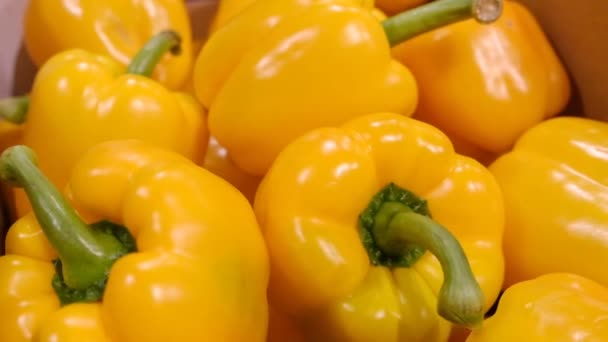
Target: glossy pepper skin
column 199, row 272
column 484, row 85
column 295, row 65
column 553, row 307
column 115, row 28
column 321, row 272
column 554, row 184
column 80, row 98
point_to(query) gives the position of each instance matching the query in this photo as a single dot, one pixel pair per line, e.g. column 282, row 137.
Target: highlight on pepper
column 381, row 216
column 80, row 98
column 136, row 269
column 113, row 28
column 260, row 95
column 485, row 85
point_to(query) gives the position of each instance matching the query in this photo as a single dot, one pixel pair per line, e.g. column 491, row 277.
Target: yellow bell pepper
column 554, row 307
column 114, row 28
column 555, row 189
column 164, row 251
column 80, row 98
column 283, row 67
column 354, row 253
column 484, row 85
column 217, row 160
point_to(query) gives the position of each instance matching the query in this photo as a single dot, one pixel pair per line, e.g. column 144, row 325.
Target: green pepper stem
column 85, row 255
column 438, row 13
column 14, row 109
column 460, row 297
column 148, row 57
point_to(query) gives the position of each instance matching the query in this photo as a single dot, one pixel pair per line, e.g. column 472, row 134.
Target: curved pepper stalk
column 435, row 14
column 86, row 252
column 396, row 229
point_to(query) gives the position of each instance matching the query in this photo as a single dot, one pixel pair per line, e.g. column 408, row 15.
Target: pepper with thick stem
column 397, row 231
column 512, row 77
column 355, row 259
column 180, row 281
column 298, row 65
column 396, row 236
column 81, row 99
column 85, row 253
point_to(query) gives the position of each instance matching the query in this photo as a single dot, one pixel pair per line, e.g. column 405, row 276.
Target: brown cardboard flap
column 579, row 32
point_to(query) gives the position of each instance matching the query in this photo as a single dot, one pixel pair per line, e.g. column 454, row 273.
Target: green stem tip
column 148, row 57
column 438, row 13
column 14, row 109
column 86, row 252
column 397, row 229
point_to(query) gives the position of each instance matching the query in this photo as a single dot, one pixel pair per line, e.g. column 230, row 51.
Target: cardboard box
column 579, row 32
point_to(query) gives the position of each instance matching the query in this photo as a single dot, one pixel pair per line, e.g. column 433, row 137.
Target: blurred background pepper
column 113, row 28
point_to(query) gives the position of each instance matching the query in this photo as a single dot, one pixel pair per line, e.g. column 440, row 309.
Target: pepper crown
column 396, row 229
column 86, row 252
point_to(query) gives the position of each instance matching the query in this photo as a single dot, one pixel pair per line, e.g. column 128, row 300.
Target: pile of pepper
column 314, row 170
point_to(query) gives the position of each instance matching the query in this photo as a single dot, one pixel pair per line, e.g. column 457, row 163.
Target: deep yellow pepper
column 283, row 67
column 80, row 98
column 484, row 85
column 554, row 307
column 114, row 28
column 337, row 198
column 167, row 252
column 555, row 188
